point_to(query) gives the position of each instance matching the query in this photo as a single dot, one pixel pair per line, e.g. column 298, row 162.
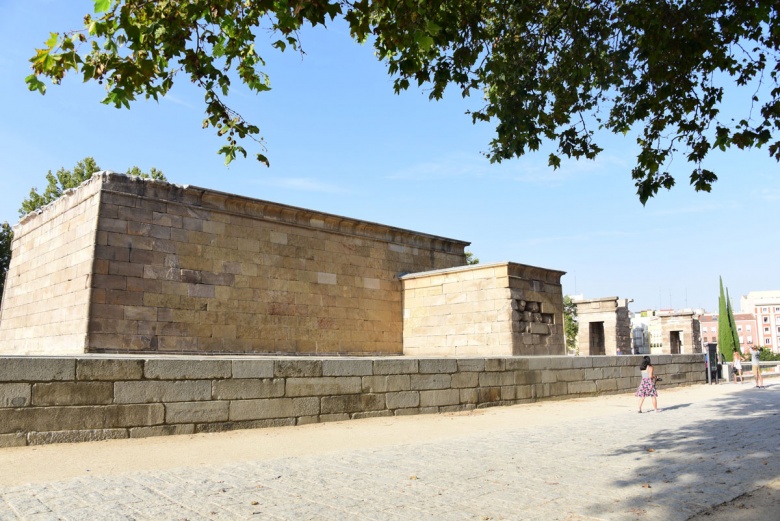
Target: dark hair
column 645, row 363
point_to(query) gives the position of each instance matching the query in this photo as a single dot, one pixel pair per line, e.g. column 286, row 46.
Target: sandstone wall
column 47, row 290
column 70, row 399
column 613, row 313
column 491, row 309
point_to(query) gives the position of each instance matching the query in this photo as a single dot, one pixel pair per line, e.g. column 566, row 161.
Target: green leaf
column 33, row 84
column 101, row 6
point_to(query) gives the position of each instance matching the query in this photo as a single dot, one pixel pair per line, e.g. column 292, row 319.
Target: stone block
column 15, row 439
column 15, row 395
column 461, row 380
column 395, row 366
column 471, row 364
column 197, row 412
column 323, row 386
column 72, row 393
column 352, row 403
column 495, row 364
column 384, row 384
column 182, row 369
column 161, row 430
column 586, row 387
column 273, row 408
column 77, row 436
column 488, row 394
column 327, row 418
column 236, row 425
column 297, row 368
column 430, row 381
column 108, row 369
column 371, row 414
column 470, row 395
column 606, row 385
column 253, row 369
column 14, row 369
column 438, row 398
column 42, row 419
column 247, row 388
column 437, row 366
column 149, row 391
column 347, row 367
column 402, row 400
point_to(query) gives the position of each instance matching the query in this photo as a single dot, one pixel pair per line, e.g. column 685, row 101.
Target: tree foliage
column 727, row 331
column 471, row 259
column 63, row 180
column 6, row 237
column 541, row 71
column 570, row 325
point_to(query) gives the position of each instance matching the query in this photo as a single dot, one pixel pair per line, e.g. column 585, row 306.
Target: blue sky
column 340, row 141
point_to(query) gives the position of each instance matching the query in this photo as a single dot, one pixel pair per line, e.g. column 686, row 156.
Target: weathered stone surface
column 430, row 381
column 253, row 368
column 384, row 384
column 322, row 386
column 437, row 365
column 585, row 387
column 395, row 366
column 45, row 438
column 237, row 425
column 371, row 414
column 161, row 430
column 471, row 364
column 15, row 439
column 197, row 412
column 248, row 388
column 109, row 369
column 352, row 403
column 72, row 393
column 347, row 367
column 461, row 380
column 15, row 395
column 402, row 400
column 183, row 369
column 42, row 419
column 148, row 391
column 273, row 408
column 297, row 368
column 438, row 398
column 13, row 369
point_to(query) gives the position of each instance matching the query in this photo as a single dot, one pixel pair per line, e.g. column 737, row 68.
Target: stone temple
column 129, row 265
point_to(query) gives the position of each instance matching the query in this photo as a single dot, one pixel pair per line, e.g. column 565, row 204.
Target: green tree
column 570, row 325
column 6, row 237
column 542, row 71
column 62, row 180
column 727, row 338
column 471, row 259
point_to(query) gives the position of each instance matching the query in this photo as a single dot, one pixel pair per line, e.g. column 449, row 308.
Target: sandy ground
column 20, row 465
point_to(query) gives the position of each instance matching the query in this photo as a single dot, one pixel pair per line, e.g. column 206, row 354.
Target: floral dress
column 646, row 386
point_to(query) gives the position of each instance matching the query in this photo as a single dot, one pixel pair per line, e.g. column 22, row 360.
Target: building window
column 748, row 328
column 777, row 309
column 764, row 310
column 766, row 330
column 740, row 339
column 766, row 320
column 768, row 341
column 750, row 339
column 704, row 329
column 739, row 329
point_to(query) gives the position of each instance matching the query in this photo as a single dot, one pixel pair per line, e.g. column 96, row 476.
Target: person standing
column 756, row 363
column 738, row 366
column 647, row 385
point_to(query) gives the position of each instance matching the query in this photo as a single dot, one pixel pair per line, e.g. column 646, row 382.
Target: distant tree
column 471, row 259
column 726, row 333
column 64, row 180
column 57, row 184
column 570, row 325
column 6, row 237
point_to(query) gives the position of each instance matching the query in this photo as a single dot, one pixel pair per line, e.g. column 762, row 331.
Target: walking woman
column 647, row 385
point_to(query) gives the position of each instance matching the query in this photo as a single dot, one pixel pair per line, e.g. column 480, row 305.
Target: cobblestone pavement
column 614, row 465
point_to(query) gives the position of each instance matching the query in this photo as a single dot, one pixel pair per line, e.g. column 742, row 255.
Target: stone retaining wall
column 73, row 399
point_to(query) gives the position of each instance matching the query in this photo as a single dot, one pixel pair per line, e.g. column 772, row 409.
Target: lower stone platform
column 93, row 397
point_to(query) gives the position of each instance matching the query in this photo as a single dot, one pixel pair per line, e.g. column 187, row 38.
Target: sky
column 340, row 141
